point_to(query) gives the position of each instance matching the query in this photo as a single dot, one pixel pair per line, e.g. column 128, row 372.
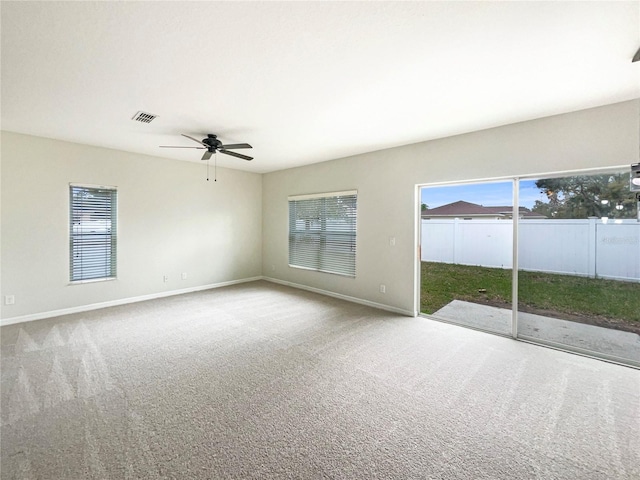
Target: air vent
column 143, row 117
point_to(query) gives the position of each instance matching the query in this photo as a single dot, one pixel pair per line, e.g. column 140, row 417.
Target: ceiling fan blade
column 234, row 154
column 207, row 155
column 237, row 145
column 175, row 146
column 194, row 139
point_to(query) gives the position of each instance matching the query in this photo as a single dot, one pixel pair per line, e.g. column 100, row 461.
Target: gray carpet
column 263, row 381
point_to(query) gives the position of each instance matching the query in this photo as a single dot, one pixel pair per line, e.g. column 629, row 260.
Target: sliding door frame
column 515, row 215
column 515, row 267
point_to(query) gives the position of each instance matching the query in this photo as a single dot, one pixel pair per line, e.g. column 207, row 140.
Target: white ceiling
column 305, row 82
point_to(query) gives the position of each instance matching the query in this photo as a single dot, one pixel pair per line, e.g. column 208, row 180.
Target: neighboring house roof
column 468, row 209
column 508, row 210
column 457, row 208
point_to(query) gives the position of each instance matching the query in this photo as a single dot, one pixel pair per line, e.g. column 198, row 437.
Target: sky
column 487, row 194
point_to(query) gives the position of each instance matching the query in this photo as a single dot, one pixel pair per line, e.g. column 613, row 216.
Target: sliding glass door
column 577, row 281
column 579, row 265
column 467, row 253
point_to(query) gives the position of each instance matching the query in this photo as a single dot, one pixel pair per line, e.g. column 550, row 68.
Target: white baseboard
column 360, row 301
column 152, row 296
column 122, row 301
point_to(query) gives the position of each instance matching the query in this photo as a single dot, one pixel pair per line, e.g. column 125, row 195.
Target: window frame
column 112, row 235
column 321, row 245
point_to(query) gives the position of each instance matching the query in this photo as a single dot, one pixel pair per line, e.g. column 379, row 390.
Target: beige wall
column 170, row 220
column 386, row 183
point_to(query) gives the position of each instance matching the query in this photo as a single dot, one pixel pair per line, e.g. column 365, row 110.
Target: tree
column 424, row 206
column 584, row 196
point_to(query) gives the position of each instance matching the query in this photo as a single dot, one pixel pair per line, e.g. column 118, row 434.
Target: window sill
column 93, row 280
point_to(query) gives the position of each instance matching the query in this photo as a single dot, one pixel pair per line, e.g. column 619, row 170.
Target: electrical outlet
column 184, row 275
column 273, row 268
column 392, row 241
column 165, row 278
column 9, row 299
column 383, row 288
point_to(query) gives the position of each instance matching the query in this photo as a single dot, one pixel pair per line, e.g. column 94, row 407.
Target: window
column 92, row 233
column 322, row 232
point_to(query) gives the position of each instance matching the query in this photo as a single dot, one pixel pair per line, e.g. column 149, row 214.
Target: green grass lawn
column 565, row 296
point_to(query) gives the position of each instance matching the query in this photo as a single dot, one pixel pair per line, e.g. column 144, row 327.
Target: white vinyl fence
column 589, row 248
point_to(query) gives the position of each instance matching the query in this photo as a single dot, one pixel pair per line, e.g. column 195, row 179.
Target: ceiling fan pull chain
column 207, row 170
column 215, row 168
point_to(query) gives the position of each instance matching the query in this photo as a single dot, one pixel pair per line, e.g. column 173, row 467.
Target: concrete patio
column 615, row 343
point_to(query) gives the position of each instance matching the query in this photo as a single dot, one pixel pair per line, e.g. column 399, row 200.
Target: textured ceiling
column 305, row 82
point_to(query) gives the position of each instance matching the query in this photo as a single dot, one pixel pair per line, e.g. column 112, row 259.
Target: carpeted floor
column 264, row 381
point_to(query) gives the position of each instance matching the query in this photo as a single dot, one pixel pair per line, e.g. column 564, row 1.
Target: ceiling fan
column 213, row 145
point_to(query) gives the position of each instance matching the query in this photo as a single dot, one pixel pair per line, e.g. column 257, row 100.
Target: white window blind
column 92, row 233
column 322, row 232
